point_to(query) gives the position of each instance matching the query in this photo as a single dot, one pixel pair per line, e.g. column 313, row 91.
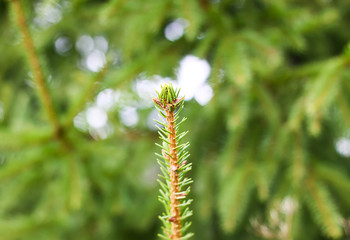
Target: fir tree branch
column 46, row 101
column 323, row 209
column 15, row 169
column 173, row 165
column 38, row 74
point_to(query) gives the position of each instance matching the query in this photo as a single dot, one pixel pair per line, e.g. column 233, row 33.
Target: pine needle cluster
column 173, row 164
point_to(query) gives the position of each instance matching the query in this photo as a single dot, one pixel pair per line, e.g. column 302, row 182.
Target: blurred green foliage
column 264, row 149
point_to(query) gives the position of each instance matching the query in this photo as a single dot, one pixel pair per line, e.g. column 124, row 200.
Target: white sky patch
column 192, row 78
column 151, row 123
column 204, row 94
column 95, row 60
column 129, row 116
column 288, row 205
column 63, row 45
column 192, row 75
column 93, row 51
column 343, row 147
column 146, row 89
column 85, row 44
column 107, row 98
column 47, row 14
column 101, row 133
column 80, row 122
column 101, row 43
column 176, row 29
column 96, row 117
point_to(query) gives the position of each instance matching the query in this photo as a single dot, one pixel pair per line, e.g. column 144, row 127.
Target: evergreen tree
column 270, row 150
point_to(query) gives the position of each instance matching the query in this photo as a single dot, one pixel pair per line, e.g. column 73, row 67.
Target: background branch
column 38, row 74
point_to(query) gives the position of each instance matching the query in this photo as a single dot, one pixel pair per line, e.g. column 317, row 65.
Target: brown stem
column 42, row 90
column 45, row 98
column 174, row 178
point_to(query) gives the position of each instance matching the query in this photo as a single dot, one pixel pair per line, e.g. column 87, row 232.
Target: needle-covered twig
column 174, row 165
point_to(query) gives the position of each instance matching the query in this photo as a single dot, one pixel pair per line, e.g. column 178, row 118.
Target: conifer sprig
column 173, row 164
